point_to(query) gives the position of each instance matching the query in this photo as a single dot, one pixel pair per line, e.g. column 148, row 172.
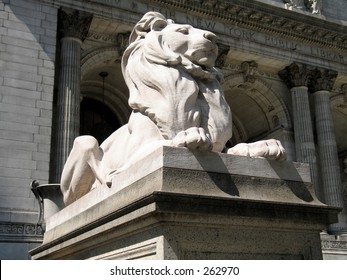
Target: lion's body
column 176, row 99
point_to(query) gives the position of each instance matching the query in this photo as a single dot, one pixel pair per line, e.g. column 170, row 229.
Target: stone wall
column 27, row 55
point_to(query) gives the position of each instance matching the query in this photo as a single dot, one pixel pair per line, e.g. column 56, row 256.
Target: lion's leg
column 194, row 138
column 271, row 149
column 81, row 168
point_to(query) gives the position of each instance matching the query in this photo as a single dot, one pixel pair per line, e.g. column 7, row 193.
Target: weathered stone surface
column 182, row 205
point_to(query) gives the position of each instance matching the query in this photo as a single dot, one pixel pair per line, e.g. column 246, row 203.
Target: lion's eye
column 183, row 30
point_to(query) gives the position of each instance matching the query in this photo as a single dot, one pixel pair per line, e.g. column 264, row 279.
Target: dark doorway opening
column 97, row 119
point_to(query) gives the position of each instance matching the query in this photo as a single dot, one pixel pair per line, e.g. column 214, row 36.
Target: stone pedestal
column 173, row 204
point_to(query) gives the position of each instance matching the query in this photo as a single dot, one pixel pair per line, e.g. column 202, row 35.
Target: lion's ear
column 150, row 21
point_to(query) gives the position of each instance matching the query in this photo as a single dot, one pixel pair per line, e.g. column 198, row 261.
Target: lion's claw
column 194, row 138
column 270, row 149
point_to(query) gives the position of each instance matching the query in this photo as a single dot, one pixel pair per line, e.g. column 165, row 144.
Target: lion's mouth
column 204, row 57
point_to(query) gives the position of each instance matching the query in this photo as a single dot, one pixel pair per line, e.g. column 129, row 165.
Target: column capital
column 295, row 75
column 74, row 23
column 322, row 79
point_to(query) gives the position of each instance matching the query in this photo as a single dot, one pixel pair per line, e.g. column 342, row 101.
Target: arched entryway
column 97, row 119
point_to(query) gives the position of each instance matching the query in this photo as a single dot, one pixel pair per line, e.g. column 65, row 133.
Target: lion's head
column 168, row 69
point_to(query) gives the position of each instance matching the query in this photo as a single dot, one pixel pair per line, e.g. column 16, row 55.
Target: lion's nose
column 210, row 36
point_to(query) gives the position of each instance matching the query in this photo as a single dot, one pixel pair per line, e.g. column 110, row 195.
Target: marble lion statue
column 176, row 100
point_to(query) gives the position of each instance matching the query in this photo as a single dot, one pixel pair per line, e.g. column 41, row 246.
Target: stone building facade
column 285, row 77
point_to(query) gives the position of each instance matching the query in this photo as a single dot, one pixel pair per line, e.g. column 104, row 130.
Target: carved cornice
column 74, row 23
column 267, row 18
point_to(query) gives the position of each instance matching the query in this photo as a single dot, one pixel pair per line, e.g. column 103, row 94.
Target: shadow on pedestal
column 175, row 204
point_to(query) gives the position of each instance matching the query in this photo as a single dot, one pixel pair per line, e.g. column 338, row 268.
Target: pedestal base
column 174, row 204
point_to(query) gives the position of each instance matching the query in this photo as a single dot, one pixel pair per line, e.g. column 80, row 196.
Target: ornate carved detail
column 290, row 4
column 249, row 69
column 222, row 55
column 314, row 6
column 247, row 14
column 74, row 23
column 322, row 79
column 120, row 39
column 296, row 74
column 329, row 244
column 17, row 229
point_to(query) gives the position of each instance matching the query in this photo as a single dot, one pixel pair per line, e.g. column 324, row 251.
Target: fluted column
column 321, row 85
column 73, row 29
column 296, row 77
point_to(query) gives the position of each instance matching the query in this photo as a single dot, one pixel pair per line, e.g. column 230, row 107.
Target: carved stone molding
column 334, row 245
column 249, row 69
column 314, row 6
column 256, row 15
column 295, row 75
column 20, row 232
column 120, row 39
column 290, row 4
column 322, row 79
column 74, row 23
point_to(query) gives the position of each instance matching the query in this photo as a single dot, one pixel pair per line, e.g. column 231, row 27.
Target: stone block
column 18, row 146
column 13, row 91
column 175, row 204
column 19, row 163
column 25, row 203
column 14, row 191
column 14, row 251
column 13, row 126
column 22, row 101
column 9, row 152
column 16, row 135
column 41, row 175
column 21, row 34
column 25, row 111
column 16, row 83
column 14, row 172
column 43, row 157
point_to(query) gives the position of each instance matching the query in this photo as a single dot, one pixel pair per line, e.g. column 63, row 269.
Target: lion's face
column 196, row 45
column 168, row 68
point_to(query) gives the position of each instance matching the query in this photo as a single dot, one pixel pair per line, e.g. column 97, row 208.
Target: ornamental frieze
column 336, row 245
column 19, row 229
column 256, row 16
column 251, row 15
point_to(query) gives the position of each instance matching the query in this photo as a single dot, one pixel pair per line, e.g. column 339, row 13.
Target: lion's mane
column 171, row 90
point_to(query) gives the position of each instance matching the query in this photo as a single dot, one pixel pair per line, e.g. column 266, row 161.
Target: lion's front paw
column 194, row 138
column 271, row 149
